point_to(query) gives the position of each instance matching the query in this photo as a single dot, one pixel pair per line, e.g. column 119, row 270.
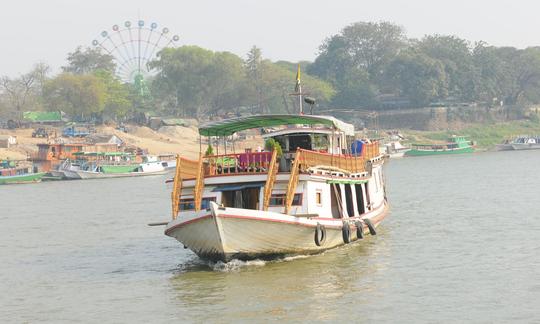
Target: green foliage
column 419, row 77
column 209, row 151
column 76, row 95
column 197, row 82
column 117, row 96
column 271, row 145
column 89, row 60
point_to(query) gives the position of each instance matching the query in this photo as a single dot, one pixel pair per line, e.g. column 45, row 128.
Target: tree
column 254, row 72
column 89, row 60
column 421, row 78
column 19, row 90
column 117, row 101
column 456, row 56
column 77, row 95
column 196, row 81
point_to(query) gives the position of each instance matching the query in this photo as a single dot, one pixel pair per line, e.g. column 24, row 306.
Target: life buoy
column 320, row 234
column 346, row 231
column 359, row 230
column 370, row 226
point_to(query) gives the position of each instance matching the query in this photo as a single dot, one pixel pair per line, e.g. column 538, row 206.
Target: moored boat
column 307, row 193
column 455, row 145
column 11, row 173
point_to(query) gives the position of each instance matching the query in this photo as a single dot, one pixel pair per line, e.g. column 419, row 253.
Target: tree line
column 367, row 65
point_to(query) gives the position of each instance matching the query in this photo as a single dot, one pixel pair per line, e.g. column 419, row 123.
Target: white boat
column 249, row 205
column 522, row 142
column 395, row 149
column 97, row 171
column 67, row 170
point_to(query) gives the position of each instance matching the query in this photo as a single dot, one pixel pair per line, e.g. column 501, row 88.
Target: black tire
column 370, row 226
column 359, row 230
column 320, row 234
column 346, row 231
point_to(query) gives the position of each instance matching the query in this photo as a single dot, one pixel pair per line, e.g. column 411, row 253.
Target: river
column 461, row 244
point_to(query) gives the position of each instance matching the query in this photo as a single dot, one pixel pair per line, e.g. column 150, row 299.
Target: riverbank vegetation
column 367, row 66
column 486, row 136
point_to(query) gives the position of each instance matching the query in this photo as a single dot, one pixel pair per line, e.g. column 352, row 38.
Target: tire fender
column 320, row 234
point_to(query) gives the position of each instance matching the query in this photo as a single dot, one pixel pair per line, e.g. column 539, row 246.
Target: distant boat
column 10, row 173
column 395, row 149
column 522, row 142
column 455, row 145
column 97, row 170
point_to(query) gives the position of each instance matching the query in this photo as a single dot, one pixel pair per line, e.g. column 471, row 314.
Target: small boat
column 526, row 143
column 306, row 193
column 455, row 145
column 395, row 149
column 103, row 169
column 11, row 173
column 66, row 170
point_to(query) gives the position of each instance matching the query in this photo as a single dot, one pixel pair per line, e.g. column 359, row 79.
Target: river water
column 461, row 244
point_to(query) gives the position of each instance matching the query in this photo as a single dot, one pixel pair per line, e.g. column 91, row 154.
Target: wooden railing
column 199, row 185
column 185, row 169
column 293, row 181
column 262, row 162
column 270, row 180
column 177, row 187
column 253, row 162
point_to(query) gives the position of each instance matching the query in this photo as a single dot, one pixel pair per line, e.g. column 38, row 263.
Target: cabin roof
column 297, row 131
column 230, row 126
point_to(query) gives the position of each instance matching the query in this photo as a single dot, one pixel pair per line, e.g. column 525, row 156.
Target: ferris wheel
column 133, row 46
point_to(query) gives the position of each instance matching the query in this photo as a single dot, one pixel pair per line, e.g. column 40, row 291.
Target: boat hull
column 231, row 233
column 414, row 152
column 525, row 146
column 23, row 178
column 101, row 175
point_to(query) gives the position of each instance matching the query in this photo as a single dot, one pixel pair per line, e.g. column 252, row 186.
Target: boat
column 66, row 170
column 11, row 173
column 108, row 168
column 522, row 142
column 395, row 149
column 307, row 192
column 455, row 145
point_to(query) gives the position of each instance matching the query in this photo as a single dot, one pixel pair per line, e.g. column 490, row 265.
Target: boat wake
column 237, row 265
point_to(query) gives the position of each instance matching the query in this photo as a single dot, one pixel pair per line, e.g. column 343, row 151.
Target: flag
column 297, row 87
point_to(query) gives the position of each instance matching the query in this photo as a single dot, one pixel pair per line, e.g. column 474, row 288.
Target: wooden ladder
column 177, row 188
column 293, row 182
column 270, row 180
column 199, row 185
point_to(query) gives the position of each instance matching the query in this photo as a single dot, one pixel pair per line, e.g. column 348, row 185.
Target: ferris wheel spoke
column 124, row 44
column 134, row 47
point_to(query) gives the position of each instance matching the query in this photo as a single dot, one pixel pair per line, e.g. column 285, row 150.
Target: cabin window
column 335, row 201
column 299, row 141
column 279, row 200
column 318, row 198
column 368, row 200
column 360, row 199
column 349, row 200
column 189, row 204
column 320, row 142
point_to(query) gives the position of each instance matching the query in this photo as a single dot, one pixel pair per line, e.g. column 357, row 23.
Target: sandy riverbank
column 168, row 139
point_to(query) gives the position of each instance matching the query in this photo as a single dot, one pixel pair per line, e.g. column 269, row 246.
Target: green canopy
column 42, row 116
column 230, row 126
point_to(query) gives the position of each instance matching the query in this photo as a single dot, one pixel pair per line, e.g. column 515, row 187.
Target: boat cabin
column 317, row 174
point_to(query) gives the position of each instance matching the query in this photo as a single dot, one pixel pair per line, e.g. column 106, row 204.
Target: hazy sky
column 46, row 30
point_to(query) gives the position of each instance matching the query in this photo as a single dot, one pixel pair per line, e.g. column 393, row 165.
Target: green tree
column 89, row 60
column 117, row 101
column 77, row 95
column 417, row 76
column 456, row 56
